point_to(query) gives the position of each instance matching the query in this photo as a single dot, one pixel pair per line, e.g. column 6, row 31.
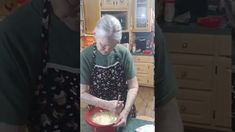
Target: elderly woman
column 107, row 71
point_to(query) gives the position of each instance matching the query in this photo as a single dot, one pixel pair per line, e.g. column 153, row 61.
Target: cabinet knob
column 184, row 74
column 185, row 45
column 182, row 108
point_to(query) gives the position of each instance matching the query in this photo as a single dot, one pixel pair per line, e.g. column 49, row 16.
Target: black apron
column 109, row 82
column 57, row 92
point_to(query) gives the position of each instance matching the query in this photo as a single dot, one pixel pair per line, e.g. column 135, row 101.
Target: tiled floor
column 144, row 102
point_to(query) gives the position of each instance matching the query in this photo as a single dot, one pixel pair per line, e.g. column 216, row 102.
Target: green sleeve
column 14, row 87
column 165, row 79
column 85, row 66
column 128, row 63
column 19, row 48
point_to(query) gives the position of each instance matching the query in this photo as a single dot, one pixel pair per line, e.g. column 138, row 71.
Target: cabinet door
column 114, row 4
column 195, row 106
column 92, row 14
column 223, row 114
column 194, row 71
column 224, row 44
column 141, row 16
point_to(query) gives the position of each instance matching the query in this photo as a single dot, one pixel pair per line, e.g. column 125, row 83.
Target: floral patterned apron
column 109, row 82
column 57, row 91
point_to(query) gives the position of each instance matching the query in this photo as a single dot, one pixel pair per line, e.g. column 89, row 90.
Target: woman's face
column 68, row 12
column 105, row 45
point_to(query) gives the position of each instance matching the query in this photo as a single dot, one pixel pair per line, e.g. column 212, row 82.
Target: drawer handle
column 184, row 74
column 182, row 108
column 185, row 45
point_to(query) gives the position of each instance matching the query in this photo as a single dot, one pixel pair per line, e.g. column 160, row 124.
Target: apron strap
column 44, row 52
column 45, row 29
column 45, row 36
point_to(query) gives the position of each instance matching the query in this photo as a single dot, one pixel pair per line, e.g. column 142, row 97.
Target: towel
column 146, row 128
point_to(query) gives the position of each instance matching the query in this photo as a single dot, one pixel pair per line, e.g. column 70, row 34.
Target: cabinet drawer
column 193, row 77
column 145, row 59
column 141, row 67
column 145, row 80
column 142, row 79
column 114, row 4
column 190, row 43
column 194, row 71
column 195, row 106
column 224, row 44
column 144, row 68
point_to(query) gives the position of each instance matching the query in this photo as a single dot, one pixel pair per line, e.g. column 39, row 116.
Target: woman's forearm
column 131, row 96
column 133, row 88
column 92, row 100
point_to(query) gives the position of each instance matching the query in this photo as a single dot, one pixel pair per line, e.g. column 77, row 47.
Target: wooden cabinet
column 92, row 14
column 114, row 4
column 202, row 64
column 195, row 106
column 143, row 15
column 134, row 15
column 145, row 70
column 188, row 43
column 193, row 72
column 223, row 94
column 82, row 19
column 121, row 10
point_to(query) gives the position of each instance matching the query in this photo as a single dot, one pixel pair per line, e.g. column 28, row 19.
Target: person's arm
column 92, row 100
column 166, row 106
column 168, row 118
column 131, row 96
column 15, row 89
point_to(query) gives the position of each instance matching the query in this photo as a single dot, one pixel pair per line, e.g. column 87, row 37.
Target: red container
column 96, row 127
column 211, row 21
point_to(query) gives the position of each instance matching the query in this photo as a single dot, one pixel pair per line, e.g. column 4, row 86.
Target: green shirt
column 165, row 83
column 20, row 58
column 87, row 60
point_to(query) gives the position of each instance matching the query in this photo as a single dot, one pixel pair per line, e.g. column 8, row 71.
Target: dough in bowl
column 104, row 118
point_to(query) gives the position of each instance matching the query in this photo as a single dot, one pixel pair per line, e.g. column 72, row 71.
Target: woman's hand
column 122, row 119
column 115, row 106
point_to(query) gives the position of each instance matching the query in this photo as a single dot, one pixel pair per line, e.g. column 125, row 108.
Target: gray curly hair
column 108, row 26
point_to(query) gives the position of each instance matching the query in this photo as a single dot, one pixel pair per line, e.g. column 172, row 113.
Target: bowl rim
column 90, row 122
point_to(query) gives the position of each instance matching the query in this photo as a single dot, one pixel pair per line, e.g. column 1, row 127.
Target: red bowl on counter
column 211, row 21
column 97, row 127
